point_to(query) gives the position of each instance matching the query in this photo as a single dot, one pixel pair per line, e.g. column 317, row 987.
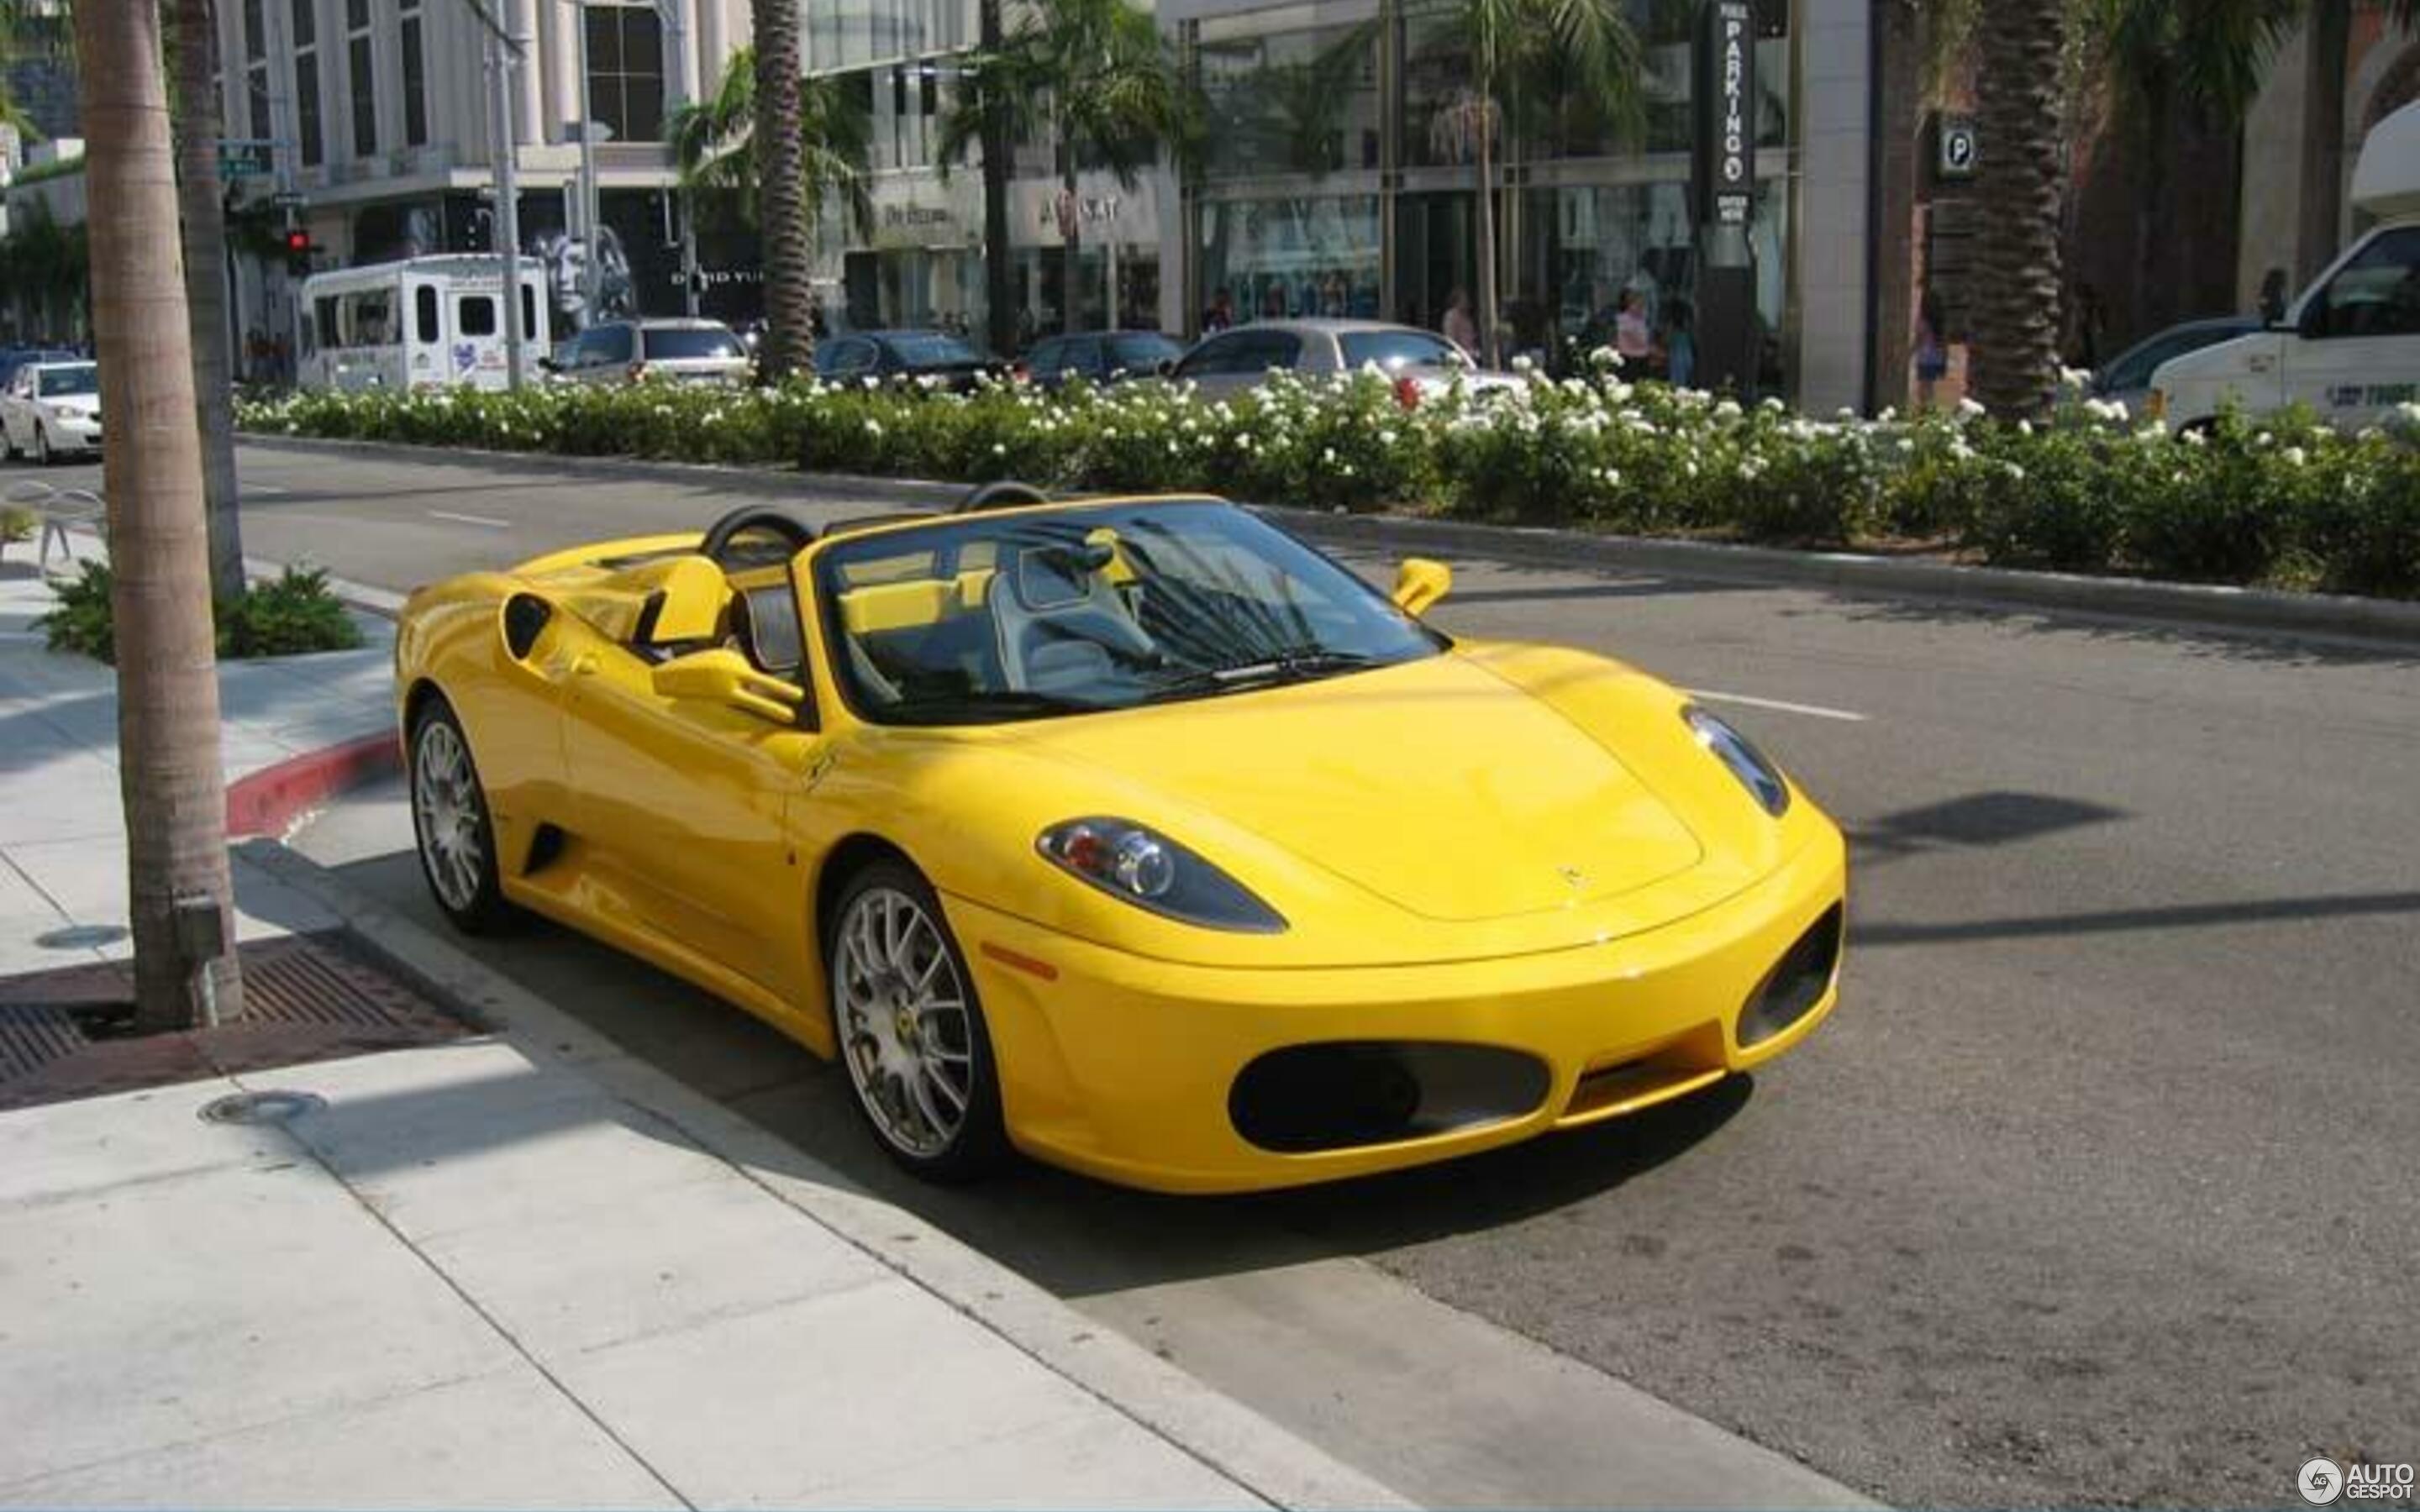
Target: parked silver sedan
column 1420, row 363
column 626, row 351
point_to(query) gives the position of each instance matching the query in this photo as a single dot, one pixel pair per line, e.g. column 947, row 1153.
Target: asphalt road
column 2099, row 1188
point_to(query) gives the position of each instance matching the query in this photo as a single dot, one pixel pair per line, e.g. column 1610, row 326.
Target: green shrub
column 17, row 525
column 293, row 614
column 2283, row 500
column 81, row 622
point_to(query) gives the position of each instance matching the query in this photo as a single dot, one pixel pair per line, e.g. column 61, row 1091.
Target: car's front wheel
column 449, row 819
column 42, row 445
column 909, row 1028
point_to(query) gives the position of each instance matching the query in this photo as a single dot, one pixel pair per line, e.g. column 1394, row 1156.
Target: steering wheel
column 1005, row 494
column 724, row 533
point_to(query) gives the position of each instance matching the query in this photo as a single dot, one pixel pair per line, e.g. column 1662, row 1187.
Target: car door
column 2355, row 350
column 850, row 357
column 683, row 805
column 1235, row 361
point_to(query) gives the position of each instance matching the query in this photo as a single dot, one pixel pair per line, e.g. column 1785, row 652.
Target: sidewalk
column 62, row 825
column 521, row 1269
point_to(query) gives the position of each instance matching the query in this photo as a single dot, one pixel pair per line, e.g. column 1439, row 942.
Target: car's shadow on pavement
column 1070, row 1234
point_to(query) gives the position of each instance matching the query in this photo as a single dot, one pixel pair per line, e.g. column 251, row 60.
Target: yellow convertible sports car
column 1130, row 833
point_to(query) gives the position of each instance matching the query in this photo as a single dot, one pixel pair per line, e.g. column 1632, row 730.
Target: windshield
column 83, row 379
column 1143, row 353
column 1394, row 350
column 933, row 349
column 1029, row 616
column 681, row 343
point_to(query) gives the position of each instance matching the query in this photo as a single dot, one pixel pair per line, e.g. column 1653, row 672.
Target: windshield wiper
column 1298, row 664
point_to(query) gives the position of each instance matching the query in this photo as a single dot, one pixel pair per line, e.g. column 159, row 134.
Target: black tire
column 44, row 455
column 463, row 883
column 979, row 1143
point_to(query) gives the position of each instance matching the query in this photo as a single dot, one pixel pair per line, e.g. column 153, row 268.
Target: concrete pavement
column 62, row 828
column 2096, row 1190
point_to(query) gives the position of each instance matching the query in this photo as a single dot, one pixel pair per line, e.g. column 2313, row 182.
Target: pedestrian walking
column 1459, row 328
column 1931, row 349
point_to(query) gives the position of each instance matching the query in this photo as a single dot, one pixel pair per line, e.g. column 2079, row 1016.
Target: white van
column 2349, row 347
column 423, row 323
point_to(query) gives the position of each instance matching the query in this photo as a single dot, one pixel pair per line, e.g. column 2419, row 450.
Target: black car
column 1098, row 357
column 933, row 358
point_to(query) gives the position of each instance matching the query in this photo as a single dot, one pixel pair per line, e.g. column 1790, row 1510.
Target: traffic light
column 298, row 250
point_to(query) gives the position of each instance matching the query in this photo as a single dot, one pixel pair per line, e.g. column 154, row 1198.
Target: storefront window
column 1436, row 96
column 1296, row 257
column 1291, row 101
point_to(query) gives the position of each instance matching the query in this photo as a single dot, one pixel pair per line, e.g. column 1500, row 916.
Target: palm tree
column 1089, row 74
column 1585, row 46
column 2162, row 59
column 780, row 188
column 168, row 682
column 998, row 145
column 196, row 104
column 714, row 143
column 2022, row 179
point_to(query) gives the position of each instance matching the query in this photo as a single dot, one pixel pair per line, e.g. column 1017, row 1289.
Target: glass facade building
column 1336, row 178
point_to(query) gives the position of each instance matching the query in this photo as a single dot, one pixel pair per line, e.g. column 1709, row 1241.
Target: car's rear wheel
column 908, row 1029
column 449, row 819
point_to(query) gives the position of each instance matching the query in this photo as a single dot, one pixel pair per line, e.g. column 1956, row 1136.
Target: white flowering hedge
column 2284, row 501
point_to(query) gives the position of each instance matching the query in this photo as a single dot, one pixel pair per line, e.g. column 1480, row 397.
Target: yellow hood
column 1435, row 785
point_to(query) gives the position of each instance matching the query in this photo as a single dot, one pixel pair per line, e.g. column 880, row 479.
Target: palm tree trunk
column 2016, row 323
column 167, row 681
column 205, row 223
column 999, row 295
column 1071, row 318
column 2329, row 39
column 1488, row 353
column 780, row 190
column 2154, row 300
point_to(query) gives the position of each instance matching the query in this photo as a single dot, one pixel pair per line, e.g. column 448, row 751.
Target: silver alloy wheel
column 905, row 1029
column 445, row 801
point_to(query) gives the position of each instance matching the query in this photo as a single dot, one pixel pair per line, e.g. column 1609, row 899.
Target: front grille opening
column 1796, row 984
column 1645, row 1077
column 1349, row 1094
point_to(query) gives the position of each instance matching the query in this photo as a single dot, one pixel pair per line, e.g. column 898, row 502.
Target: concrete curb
column 2238, row 610
column 1265, row 1458
column 267, row 802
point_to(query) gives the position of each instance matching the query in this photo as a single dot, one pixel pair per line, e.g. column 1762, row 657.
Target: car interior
column 939, row 618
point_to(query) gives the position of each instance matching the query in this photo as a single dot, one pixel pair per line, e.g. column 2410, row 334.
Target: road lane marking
column 472, row 519
column 1811, row 710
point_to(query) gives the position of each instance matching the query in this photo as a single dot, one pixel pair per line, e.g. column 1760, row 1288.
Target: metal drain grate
column 306, row 998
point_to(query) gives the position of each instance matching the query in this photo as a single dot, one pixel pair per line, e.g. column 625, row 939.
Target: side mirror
column 1419, row 583
column 1164, row 367
column 724, row 676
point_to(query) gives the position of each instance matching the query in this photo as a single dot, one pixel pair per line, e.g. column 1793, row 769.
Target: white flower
column 2074, row 377
column 873, row 427
column 2295, row 456
column 1385, row 438
column 1728, row 410
column 1522, row 363
column 1971, row 409
column 1891, row 413
column 998, row 449
column 2024, row 427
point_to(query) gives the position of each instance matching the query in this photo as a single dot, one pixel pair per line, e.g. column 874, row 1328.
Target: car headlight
column 1144, row 868
column 1762, row 780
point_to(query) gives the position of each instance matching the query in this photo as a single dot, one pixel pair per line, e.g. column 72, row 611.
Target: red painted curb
column 270, row 799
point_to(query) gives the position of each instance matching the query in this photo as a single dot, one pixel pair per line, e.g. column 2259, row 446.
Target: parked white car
column 2349, row 347
column 51, row 410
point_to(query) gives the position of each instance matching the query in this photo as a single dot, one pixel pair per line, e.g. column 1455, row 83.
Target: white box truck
column 2349, row 347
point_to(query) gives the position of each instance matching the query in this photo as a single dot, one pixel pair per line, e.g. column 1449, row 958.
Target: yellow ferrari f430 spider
column 1134, row 834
